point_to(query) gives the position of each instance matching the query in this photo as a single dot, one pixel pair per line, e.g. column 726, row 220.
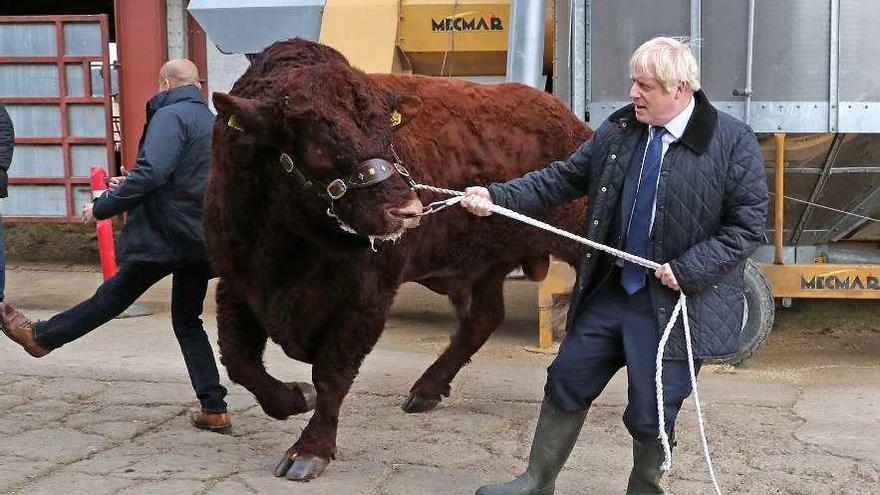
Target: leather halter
column 369, row 172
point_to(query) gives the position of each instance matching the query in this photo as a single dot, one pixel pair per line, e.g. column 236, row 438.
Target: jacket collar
column 182, row 93
column 696, row 135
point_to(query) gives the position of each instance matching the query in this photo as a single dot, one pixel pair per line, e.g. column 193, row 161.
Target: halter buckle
column 336, row 189
column 286, row 162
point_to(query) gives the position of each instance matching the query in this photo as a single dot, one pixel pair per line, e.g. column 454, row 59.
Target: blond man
column 671, row 179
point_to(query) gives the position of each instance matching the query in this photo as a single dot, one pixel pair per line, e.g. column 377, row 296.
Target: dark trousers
column 612, row 330
column 189, row 286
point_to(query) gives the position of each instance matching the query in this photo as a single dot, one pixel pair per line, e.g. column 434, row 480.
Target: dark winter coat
column 710, row 216
column 7, row 143
column 163, row 194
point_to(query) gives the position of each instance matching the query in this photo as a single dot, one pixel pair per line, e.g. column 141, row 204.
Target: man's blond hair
column 669, row 60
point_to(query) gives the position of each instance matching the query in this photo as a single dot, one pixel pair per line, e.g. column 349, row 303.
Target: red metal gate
column 62, row 118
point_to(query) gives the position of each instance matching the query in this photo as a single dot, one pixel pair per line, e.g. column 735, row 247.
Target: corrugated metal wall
column 814, row 62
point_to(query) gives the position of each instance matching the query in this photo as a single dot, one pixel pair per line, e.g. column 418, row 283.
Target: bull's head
column 334, row 128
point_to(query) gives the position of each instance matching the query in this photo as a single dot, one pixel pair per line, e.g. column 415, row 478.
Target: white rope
column 545, row 226
column 700, row 422
column 658, row 385
column 680, row 308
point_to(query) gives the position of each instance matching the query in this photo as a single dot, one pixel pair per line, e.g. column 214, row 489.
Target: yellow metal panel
column 444, row 37
column 560, row 279
column 827, row 281
column 363, row 30
column 438, row 26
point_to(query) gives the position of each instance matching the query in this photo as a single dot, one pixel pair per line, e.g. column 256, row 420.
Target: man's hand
column 117, row 181
column 87, row 216
column 667, row 278
column 477, row 200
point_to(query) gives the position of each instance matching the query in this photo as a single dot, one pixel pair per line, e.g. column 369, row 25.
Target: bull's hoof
column 308, row 392
column 418, row 404
column 301, row 467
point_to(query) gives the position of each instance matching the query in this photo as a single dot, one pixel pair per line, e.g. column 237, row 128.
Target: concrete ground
column 107, row 414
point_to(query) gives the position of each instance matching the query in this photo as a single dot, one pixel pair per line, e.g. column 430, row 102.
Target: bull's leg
column 333, row 372
column 480, row 310
column 242, row 341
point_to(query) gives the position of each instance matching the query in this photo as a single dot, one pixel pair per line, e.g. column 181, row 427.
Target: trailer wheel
column 758, row 313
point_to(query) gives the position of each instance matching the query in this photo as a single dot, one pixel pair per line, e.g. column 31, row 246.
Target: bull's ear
column 405, row 109
column 244, row 114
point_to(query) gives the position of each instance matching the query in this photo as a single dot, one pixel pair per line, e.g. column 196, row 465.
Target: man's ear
column 405, row 109
column 245, row 114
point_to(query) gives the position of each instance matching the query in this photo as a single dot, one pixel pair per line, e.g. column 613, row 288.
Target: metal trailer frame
column 820, row 77
column 76, row 187
column 797, row 91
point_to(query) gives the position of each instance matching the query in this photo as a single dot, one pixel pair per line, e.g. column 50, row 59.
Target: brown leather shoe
column 20, row 330
column 216, row 422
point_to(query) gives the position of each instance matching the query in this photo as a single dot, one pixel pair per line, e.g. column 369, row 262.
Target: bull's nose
column 409, row 213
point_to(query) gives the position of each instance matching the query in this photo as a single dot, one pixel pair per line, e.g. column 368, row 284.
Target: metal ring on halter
column 405, row 174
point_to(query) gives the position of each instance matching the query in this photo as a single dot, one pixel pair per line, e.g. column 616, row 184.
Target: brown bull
column 304, row 185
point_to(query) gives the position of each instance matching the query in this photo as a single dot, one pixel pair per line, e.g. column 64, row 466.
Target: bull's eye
column 318, row 159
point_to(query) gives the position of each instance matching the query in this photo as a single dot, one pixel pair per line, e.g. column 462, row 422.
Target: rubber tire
column 758, row 316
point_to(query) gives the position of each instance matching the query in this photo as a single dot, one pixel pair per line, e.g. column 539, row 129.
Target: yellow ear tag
column 233, row 122
column 396, row 118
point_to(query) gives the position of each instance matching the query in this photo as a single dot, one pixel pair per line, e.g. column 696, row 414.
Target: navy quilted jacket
column 163, row 194
column 710, row 216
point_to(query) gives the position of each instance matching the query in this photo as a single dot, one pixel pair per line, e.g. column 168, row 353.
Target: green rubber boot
column 555, row 436
column 644, row 479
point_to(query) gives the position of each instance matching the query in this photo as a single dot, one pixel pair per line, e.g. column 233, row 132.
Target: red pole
column 106, row 248
column 142, row 44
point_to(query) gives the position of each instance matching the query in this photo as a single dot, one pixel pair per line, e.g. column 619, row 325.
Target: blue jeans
column 610, row 331
column 189, row 286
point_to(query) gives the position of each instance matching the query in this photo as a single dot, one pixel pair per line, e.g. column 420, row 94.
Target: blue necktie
column 632, row 277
